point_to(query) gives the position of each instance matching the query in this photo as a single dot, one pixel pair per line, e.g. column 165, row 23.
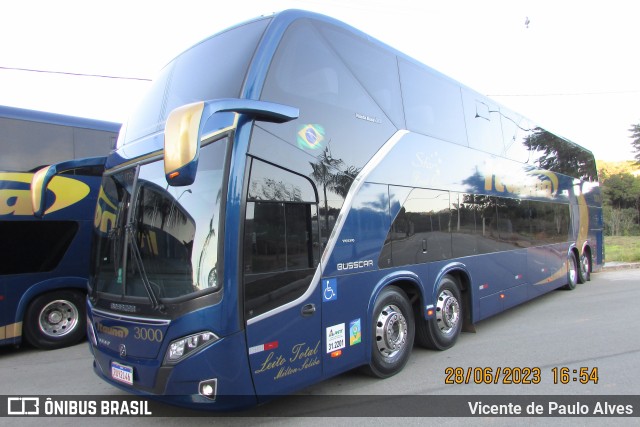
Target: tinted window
column 280, row 253
column 513, row 222
column 375, row 68
column 516, row 130
column 482, row 118
column 549, row 222
column 28, row 145
column 467, row 224
column 421, row 231
column 432, row 104
column 214, row 68
column 281, row 240
column 341, row 125
column 484, row 224
column 306, row 66
column 269, row 182
column 171, row 239
column 561, row 156
column 34, row 246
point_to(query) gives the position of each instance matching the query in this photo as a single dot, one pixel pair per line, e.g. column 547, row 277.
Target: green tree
column 621, row 190
column 621, row 193
column 635, row 135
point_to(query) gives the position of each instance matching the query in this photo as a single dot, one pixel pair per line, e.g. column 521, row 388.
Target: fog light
column 208, row 388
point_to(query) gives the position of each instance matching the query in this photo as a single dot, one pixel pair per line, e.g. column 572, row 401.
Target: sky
column 574, row 68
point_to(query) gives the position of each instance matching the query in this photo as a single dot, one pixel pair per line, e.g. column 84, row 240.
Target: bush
column 620, row 222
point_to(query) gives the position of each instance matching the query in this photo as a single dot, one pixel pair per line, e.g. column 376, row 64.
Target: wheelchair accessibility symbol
column 329, row 290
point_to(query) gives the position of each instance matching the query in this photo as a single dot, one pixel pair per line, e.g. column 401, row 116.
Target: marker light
column 184, row 347
column 91, row 333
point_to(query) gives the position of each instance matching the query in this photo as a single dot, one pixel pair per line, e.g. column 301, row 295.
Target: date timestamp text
column 519, row 375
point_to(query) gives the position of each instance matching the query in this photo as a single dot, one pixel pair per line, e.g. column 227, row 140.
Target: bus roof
column 57, row 119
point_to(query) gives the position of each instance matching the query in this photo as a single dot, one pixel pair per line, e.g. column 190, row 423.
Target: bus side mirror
column 182, row 144
column 184, row 127
column 43, row 177
column 39, row 184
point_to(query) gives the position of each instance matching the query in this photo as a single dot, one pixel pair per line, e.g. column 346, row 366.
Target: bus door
column 281, row 310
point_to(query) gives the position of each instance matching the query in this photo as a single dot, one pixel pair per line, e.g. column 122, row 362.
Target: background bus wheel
column 55, row 320
column 584, row 271
column 441, row 331
column 572, row 272
column 392, row 331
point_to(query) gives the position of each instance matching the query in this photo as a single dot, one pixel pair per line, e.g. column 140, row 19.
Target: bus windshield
column 151, row 238
column 209, row 70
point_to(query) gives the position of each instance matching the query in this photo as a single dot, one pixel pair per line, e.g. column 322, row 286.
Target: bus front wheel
column 441, row 331
column 55, row 320
column 392, row 333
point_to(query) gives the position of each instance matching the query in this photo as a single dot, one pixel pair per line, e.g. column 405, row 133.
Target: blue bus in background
column 45, row 255
column 294, row 199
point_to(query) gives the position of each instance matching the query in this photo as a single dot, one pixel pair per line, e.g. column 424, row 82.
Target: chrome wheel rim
column 447, row 312
column 391, row 331
column 584, row 265
column 573, row 271
column 58, row 318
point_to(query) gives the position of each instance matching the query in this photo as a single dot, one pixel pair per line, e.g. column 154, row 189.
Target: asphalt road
column 595, row 327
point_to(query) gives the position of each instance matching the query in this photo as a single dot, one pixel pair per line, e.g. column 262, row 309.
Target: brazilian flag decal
column 310, row 137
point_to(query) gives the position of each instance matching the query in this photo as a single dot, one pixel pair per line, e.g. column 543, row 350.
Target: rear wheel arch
column 55, row 319
column 585, row 266
column 451, row 305
column 463, row 278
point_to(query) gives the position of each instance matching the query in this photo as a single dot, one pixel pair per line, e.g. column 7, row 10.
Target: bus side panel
column 70, row 251
column 352, row 274
column 499, row 280
column 285, row 349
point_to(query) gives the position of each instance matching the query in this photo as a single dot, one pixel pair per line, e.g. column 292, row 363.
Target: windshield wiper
column 130, row 241
column 155, row 302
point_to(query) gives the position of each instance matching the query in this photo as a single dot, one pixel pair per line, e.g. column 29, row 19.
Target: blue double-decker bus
column 45, row 253
column 294, row 199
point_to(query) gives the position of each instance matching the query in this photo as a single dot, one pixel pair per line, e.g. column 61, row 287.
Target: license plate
column 122, row 373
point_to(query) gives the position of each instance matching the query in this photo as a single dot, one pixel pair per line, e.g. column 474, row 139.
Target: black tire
column 584, row 270
column 55, row 320
column 572, row 272
column 441, row 331
column 392, row 333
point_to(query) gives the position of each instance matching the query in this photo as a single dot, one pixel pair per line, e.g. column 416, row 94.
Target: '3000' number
column 147, row 334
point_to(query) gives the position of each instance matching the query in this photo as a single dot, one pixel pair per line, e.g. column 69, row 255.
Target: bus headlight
column 184, row 347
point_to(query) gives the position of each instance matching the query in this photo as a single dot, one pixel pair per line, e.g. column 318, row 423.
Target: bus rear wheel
column 392, row 333
column 441, row 331
column 572, row 272
column 584, row 272
column 56, row 320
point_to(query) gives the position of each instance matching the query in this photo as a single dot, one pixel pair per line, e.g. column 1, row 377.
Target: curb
column 612, row 266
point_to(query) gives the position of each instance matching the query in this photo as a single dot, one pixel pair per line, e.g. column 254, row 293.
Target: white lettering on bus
column 355, row 264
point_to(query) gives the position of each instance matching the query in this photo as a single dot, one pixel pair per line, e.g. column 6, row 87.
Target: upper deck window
column 432, row 104
column 212, row 69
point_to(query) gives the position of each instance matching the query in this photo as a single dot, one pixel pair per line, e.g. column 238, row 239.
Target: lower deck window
column 34, row 246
